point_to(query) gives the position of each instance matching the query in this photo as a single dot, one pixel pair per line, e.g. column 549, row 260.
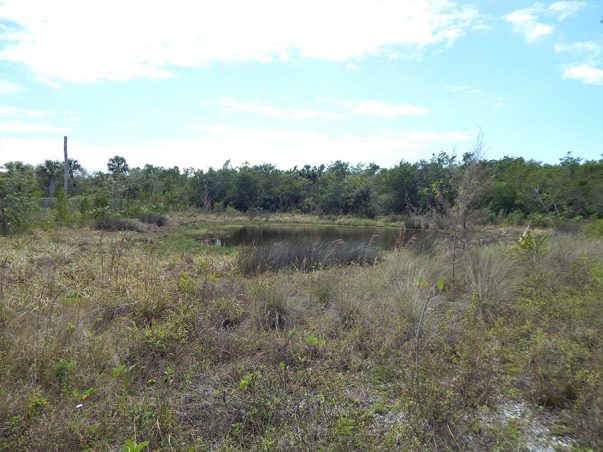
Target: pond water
column 307, row 247
column 259, row 235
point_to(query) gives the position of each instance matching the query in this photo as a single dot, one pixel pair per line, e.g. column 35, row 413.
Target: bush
column 516, row 218
column 62, row 214
column 231, row 211
column 539, row 220
column 15, row 199
column 110, row 223
column 100, row 201
column 594, row 229
column 150, row 218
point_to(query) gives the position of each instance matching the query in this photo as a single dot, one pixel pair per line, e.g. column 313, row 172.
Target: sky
column 194, row 83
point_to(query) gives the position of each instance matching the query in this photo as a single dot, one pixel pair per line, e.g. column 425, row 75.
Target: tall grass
column 491, row 278
column 306, row 254
column 177, row 348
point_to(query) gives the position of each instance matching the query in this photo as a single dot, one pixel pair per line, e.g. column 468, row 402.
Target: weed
column 61, row 372
column 131, row 445
column 529, row 244
column 36, row 402
column 246, row 381
column 315, row 344
column 80, row 396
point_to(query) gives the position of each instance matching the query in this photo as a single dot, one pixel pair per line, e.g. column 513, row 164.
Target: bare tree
column 471, row 184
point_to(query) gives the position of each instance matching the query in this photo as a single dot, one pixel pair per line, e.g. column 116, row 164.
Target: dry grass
column 106, row 337
column 491, row 278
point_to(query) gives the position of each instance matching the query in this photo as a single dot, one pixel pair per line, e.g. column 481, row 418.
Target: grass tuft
column 270, row 309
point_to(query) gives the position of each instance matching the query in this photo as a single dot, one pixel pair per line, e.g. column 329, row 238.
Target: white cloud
column 46, row 81
column 7, row 88
column 565, row 9
column 502, row 102
column 24, row 120
column 586, row 74
column 343, row 109
column 23, row 112
column 287, row 149
column 29, row 127
column 526, row 23
column 215, row 144
column 589, row 47
column 463, row 89
column 275, row 112
column 81, row 41
column 382, row 110
column 482, row 27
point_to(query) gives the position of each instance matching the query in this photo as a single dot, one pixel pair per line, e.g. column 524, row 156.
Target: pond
column 307, row 247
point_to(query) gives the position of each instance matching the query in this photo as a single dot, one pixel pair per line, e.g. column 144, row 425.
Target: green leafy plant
column 345, row 426
column 36, row 402
column 119, row 371
column 168, row 375
column 530, row 244
column 80, row 396
column 246, row 381
column 133, row 446
column 61, row 371
column 314, row 341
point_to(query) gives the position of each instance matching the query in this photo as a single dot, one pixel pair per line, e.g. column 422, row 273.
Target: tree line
column 511, row 188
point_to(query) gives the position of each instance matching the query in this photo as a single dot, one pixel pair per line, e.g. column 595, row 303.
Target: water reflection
column 269, row 248
column 382, row 238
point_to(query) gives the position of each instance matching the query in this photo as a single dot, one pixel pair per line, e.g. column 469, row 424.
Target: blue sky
column 193, row 83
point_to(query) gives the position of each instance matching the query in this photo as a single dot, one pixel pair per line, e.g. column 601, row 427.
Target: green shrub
column 16, row 187
column 84, row 207
column 61, row 371
column 231, row 211
column 594, row 229
column 100, row 201
column 516, row 218
column 539, row 220
column 36, row 402
column 62, row 212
